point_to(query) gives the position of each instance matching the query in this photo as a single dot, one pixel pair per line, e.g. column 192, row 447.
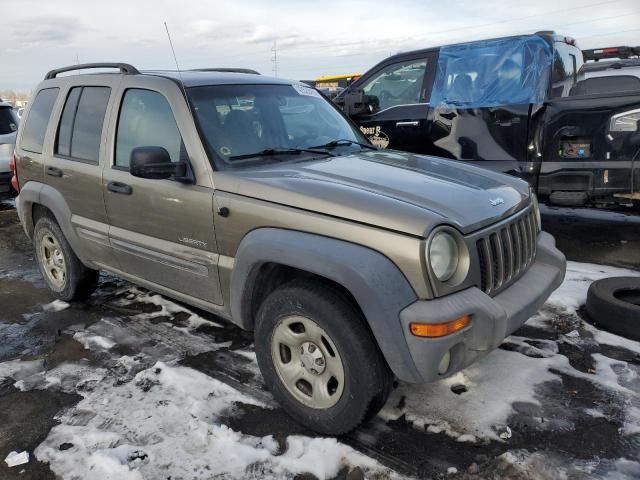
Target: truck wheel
column 318, row 358
column 63, row 272
column 614, row 303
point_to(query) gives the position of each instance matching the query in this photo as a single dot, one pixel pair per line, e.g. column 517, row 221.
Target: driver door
column 398, row 96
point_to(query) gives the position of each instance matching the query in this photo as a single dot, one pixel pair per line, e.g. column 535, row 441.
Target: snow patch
column 91, row 342
column 573, row 292
column 493, row 385
column 55, row 306
column 19, row 369
column 165, row 422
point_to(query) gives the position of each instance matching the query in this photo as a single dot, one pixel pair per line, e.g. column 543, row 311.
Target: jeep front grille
column 506, row 253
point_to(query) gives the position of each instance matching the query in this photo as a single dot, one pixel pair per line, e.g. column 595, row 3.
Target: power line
column 274, row 58
column 449, row 30
column 612, row 33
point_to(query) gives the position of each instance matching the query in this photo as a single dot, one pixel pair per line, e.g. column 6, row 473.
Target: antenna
column 274, row 59
column 175, row 58
column 184, row 89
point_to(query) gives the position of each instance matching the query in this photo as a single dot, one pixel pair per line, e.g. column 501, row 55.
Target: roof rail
column 123, row 67
column 224, row 69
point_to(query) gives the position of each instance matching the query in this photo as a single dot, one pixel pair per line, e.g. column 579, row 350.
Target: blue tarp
column 490, row 73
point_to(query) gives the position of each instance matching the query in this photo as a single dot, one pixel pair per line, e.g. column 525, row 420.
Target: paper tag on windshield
column 302, row 90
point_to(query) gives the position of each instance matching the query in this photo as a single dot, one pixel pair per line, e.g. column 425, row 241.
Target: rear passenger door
column 73, row 168
column 161, row 230
column 399, row 93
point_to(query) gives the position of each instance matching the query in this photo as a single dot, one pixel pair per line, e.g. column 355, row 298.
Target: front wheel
column 319, row 359
column 62, row 270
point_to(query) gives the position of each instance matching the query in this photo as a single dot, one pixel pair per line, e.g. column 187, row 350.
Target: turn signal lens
column 433, row 330
column 14, row 169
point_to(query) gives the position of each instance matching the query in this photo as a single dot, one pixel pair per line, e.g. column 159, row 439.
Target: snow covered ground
column 144, row 415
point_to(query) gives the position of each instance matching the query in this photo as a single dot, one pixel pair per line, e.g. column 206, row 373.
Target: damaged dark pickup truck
column 513, row 104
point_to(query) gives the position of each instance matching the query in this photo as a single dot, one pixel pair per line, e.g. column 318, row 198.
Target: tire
column 73, row 281
column 366, row 380
column 614, row 304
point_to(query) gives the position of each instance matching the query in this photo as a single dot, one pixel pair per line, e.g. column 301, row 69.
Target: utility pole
column 274, row 58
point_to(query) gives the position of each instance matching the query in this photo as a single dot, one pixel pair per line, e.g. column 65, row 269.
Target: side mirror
column 358, row 103
column 155, row 163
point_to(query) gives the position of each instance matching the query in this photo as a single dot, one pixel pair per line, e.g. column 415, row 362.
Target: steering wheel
column 384, row 97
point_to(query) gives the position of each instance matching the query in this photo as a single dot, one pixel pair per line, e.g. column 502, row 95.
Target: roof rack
column 123, row 67
column 224, row 69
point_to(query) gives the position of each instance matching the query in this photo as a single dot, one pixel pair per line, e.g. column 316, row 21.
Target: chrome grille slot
column 506, row 252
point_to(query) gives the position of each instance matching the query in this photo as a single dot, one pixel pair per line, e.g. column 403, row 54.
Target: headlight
column 443, row 255
column 625, row 122
column 536, row 210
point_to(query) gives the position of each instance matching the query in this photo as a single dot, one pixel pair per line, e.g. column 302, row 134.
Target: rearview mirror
column 155, row 163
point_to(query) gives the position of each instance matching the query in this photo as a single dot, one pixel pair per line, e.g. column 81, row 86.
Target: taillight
column 14, row 169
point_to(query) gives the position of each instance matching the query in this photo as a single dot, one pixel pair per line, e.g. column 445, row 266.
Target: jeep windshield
column 248, row 124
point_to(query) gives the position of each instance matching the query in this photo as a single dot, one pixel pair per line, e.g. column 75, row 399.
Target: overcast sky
column 314, row 38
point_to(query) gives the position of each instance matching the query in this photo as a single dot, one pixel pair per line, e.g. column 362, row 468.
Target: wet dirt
column 25, row 421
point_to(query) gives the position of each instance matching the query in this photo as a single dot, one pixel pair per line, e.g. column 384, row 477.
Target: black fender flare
column 376, row 283
column 39, row 193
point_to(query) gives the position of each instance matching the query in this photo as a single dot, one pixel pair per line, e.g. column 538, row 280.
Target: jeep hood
column 394, row 190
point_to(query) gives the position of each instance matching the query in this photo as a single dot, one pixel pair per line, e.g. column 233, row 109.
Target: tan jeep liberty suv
column 254, row 198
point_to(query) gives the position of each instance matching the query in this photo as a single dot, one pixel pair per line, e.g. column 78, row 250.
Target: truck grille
column 506, row 253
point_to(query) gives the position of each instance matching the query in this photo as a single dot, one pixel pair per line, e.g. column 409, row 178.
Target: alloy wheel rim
column 307, row 362
column 52, row 259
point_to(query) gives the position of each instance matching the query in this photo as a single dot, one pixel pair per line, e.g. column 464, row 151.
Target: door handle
column 413, row 123
column 54, row 172
column 119, row 187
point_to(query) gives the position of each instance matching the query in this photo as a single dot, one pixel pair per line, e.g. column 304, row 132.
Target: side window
column 80, row 130
column 146, row 120
column 63, row 144
column 567, row 60
column 35, row 127
column 397, row 84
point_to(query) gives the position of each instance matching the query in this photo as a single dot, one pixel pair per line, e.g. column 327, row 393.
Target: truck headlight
column 536, row 211
column 625, row 122
column 443, row 255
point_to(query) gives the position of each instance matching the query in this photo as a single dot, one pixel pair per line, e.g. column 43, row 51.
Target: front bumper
column 493, row 318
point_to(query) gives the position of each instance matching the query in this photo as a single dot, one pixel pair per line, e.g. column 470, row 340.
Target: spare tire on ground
column 614, row 304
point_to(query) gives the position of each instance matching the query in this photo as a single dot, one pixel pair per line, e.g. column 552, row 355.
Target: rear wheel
column 319, row 359
column 62, row 270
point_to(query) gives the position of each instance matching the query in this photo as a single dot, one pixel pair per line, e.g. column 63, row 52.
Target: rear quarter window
column 606, row 85
column 35, row 127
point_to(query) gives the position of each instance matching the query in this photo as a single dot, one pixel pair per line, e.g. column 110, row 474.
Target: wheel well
column 269, row 276
column 36, row 211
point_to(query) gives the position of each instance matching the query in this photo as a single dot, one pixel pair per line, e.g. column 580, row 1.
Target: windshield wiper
column 281, row 151
column 344, row 141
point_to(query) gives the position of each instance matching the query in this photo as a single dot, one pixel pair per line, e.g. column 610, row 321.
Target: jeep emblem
column 496, row 201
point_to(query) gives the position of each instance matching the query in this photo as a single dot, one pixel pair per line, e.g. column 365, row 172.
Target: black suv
column 510, row 104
